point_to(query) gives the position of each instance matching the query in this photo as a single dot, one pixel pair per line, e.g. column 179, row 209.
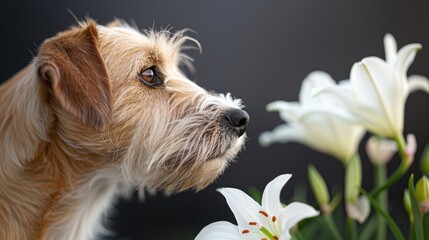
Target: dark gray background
column 258, row 50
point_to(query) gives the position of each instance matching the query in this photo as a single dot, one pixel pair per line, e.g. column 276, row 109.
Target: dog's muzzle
column 237, row 120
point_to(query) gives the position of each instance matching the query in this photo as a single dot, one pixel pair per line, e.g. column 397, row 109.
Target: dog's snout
column 237, row 119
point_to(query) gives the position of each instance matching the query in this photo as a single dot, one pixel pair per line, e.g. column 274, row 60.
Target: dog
column 103, row 111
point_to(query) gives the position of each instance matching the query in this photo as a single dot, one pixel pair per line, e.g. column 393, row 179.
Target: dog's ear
column 75, row 72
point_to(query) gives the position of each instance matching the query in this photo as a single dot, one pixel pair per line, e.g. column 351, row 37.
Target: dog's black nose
column 237, row 119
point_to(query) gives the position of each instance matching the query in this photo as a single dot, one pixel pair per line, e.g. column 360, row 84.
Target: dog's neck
column 23, row 121
column 44, row 169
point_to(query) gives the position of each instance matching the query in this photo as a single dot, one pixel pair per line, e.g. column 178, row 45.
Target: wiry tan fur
column 77, row 128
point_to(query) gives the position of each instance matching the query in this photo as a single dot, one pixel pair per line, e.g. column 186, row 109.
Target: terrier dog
column 103, row 110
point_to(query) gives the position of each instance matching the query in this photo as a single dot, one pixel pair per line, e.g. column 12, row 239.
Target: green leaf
column 426, row 224
column 417, row 217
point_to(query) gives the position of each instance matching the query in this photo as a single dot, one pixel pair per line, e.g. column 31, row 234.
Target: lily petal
column 315, row 80
column 271, row 196
column 288, row 111
column 345, row 84
column 340, row 135
column 219, row 231
column 292, row 214
column 280, row 106
column 281, row 134
column 337, row 96
column 328, row 110
column 333, row 138
column 244, row 208
column 390, row 49
column 417, row 82
column 406, row 57
column 376, row 90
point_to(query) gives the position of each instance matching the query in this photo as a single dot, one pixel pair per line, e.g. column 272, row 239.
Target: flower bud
column 422, row 194
column 424, row 162
column 380, row 150
column 319, row 188
column 359, row 210
column 411, row 148
column 353, row 179
column 407, row 204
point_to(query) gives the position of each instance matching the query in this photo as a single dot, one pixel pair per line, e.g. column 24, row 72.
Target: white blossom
column 270, row 221
column 378, row 89
column 311, row 121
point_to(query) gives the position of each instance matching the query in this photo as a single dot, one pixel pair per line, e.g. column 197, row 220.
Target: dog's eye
column 150, row 77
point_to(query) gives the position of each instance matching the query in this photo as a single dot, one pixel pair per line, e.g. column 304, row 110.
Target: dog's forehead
column 157, row 47
column 127, row 51
column 130, row 42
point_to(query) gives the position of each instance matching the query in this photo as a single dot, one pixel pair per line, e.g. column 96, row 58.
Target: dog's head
column 120, row 94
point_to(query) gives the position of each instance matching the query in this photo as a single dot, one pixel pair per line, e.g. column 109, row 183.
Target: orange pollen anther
column 245, row 231
column 275, row 238
column 274, row 218
column 253, row 223
column 263, row 213
column 264, row 238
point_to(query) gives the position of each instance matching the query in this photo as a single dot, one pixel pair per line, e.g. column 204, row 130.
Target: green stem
column 351, row 229
column 417, row 216
column 332, row 227
column 425, row 223
column 368, row 229
column 411, row 234
column 389, row 220
column 380, row 179
column 399, row 172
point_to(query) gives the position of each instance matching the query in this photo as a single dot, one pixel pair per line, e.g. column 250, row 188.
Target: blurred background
column 260, row 51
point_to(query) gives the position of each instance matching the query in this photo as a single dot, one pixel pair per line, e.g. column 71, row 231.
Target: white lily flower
column 415, row 82
column 378, row 89
column 269, row 221
column 310, row 121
